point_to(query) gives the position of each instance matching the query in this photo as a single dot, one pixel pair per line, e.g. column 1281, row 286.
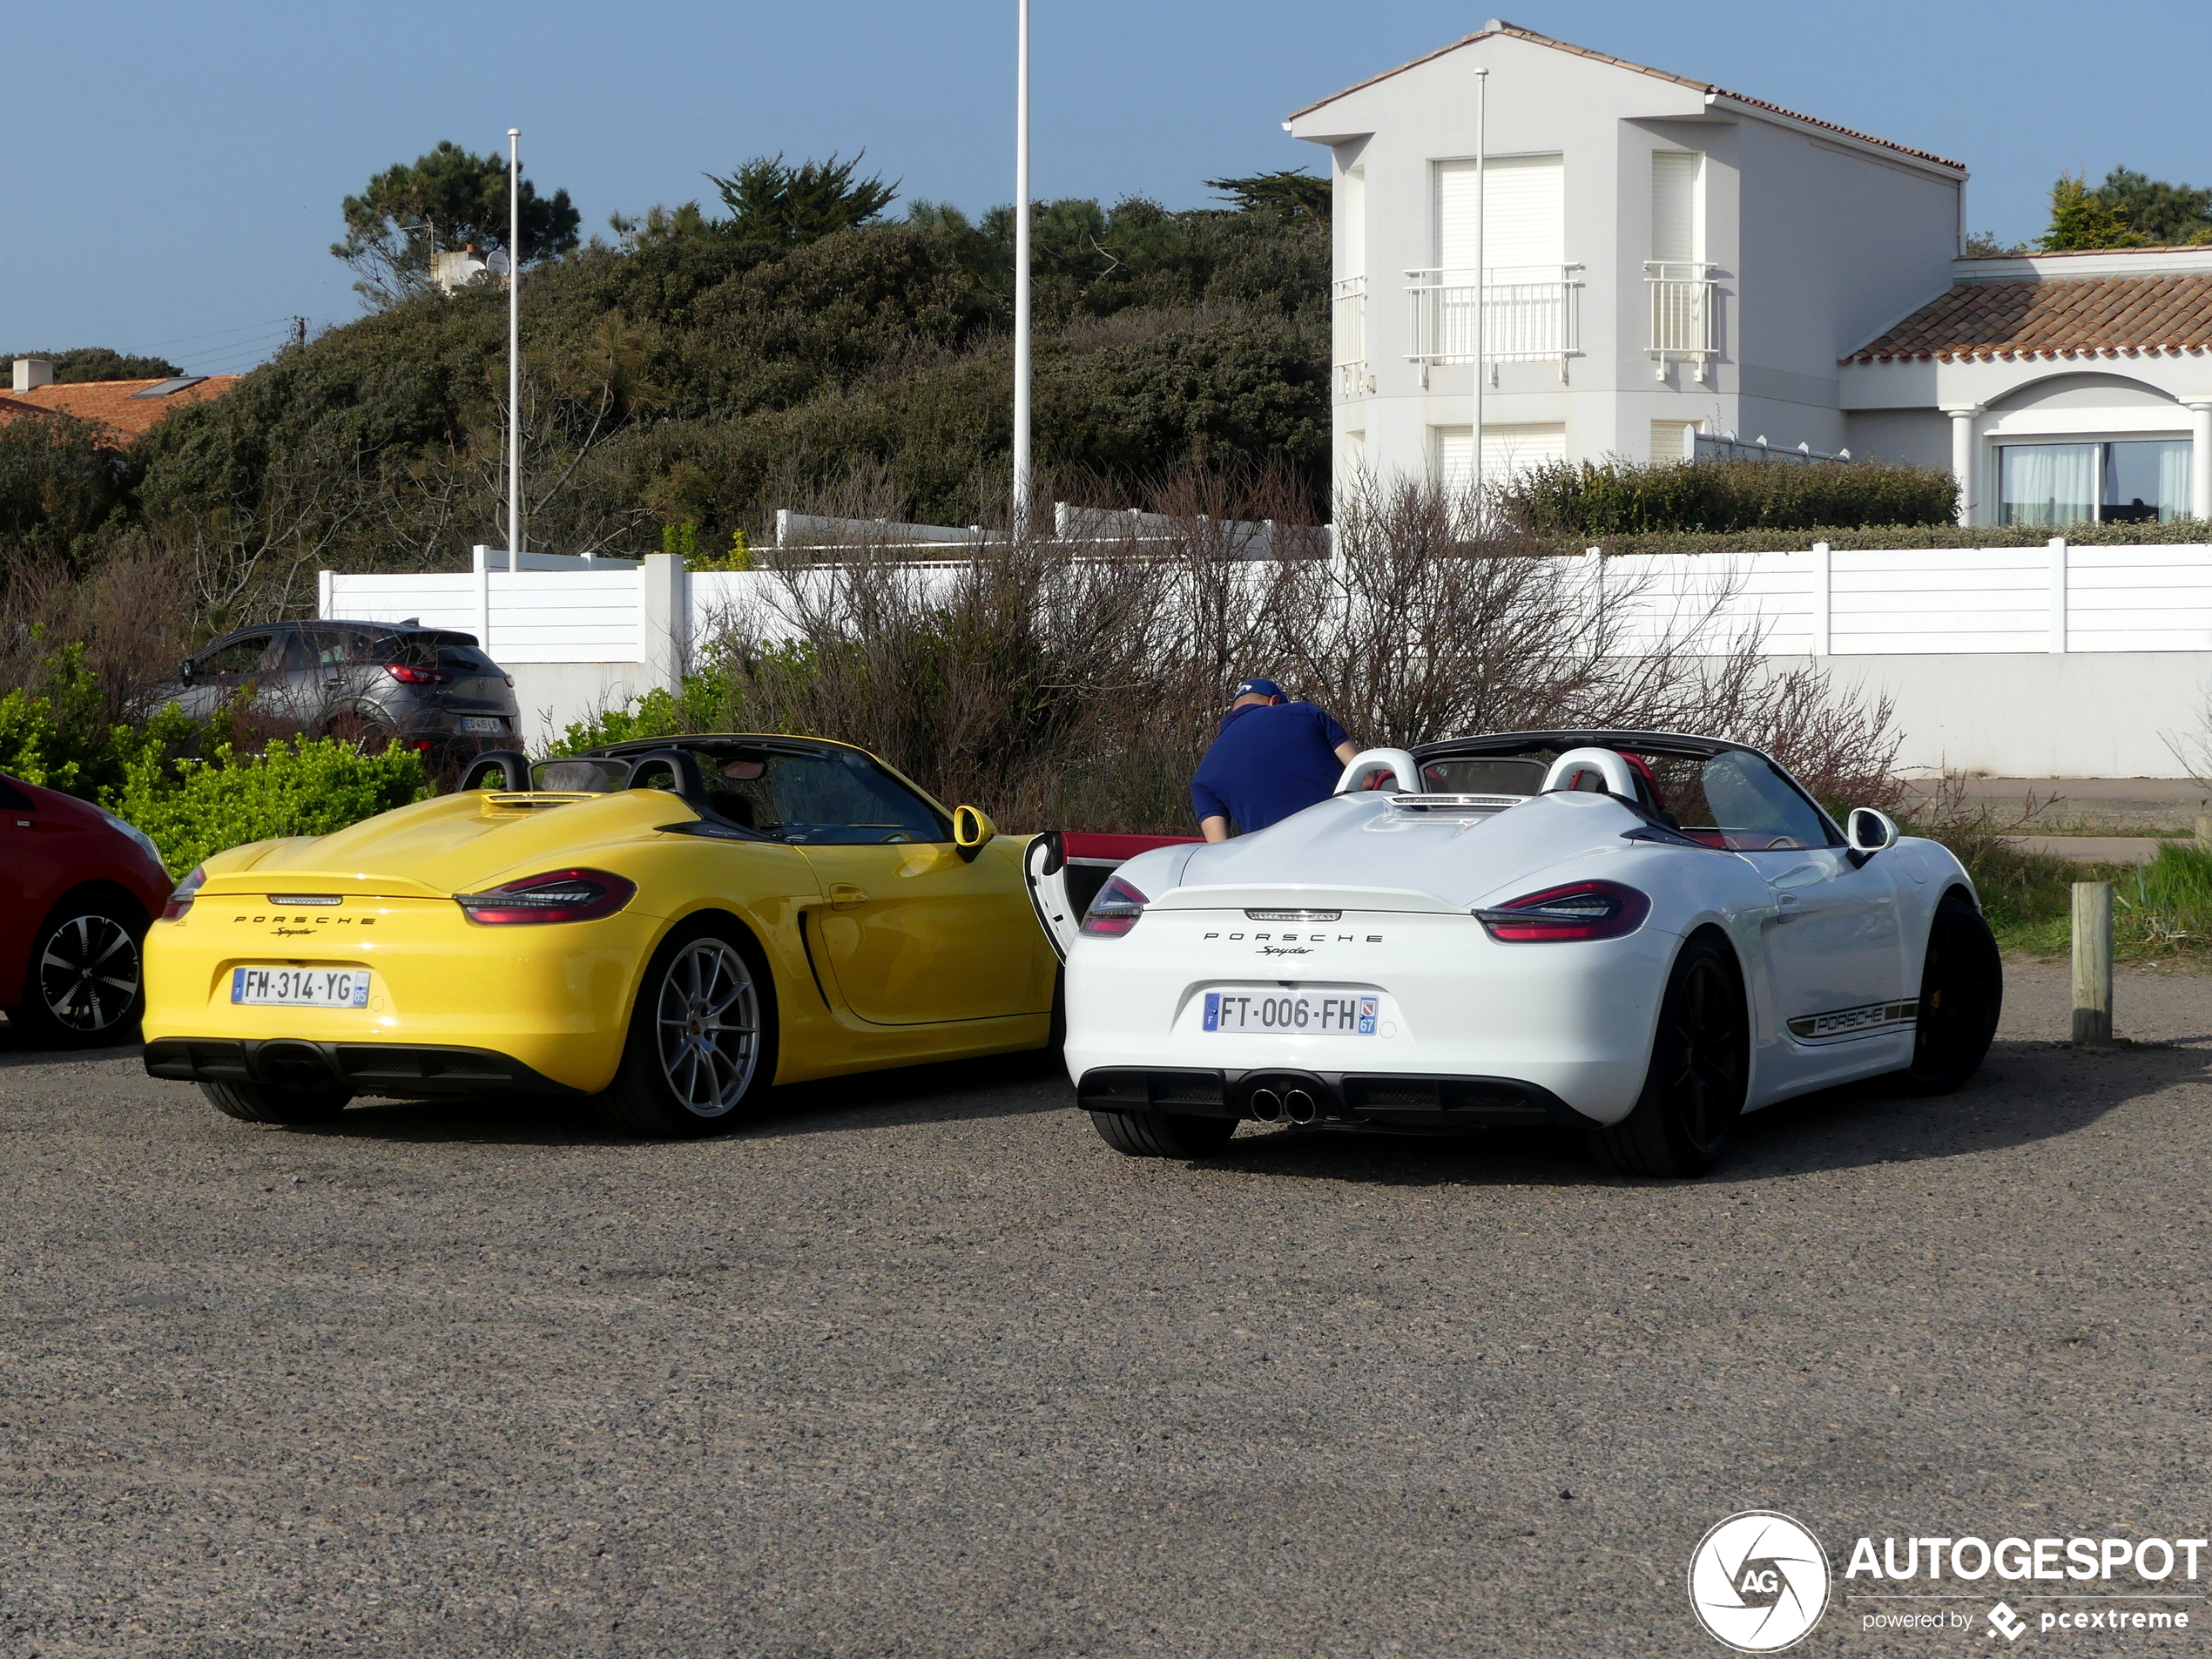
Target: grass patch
column 2162, row 910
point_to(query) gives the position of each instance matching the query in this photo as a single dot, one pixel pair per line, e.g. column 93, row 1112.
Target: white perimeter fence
column 2054, row 661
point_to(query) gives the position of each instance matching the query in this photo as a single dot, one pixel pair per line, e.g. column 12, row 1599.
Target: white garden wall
column 2053, row 661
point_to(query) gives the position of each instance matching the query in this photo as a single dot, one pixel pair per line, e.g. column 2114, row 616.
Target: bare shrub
column 1052, row 683
column 130, row 612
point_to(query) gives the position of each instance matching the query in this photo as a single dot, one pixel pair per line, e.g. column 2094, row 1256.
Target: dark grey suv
column 367, row 681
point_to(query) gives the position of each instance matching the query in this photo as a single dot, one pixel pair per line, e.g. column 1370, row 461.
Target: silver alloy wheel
column 88, row 973
column 708, row 1022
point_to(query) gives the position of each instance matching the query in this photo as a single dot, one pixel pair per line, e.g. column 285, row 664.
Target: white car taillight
column 1115, row 911
column 1579, row 910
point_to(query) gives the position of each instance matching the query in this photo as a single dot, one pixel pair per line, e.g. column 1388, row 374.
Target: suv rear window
column 452, row 653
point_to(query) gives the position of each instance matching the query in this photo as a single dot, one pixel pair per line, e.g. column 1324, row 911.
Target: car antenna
column 410, row 622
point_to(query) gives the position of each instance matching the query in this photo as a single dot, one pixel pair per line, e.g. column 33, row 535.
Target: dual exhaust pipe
column 1291, row 1105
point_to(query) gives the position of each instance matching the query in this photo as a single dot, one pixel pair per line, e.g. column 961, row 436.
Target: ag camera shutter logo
column 1758, row 1581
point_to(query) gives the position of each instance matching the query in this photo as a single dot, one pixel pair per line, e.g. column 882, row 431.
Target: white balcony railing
column 1529, row 315
column 1348, row 320
column 1685, row 322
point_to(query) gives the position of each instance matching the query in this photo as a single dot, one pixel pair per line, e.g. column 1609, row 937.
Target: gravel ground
column 922, row 1368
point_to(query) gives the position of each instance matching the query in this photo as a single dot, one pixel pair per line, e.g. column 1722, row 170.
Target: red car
column 77, row 888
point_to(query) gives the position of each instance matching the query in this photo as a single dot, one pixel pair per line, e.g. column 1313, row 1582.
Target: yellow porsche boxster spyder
column 664, row 927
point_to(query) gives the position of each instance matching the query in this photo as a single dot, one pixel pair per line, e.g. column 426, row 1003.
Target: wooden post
column 2093, row 964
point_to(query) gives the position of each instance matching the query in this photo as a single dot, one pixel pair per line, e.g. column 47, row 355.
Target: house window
column 1677, row 218
column 1524, row 213
column 2133, row 481
column 1506, row 451
column 1673, row 441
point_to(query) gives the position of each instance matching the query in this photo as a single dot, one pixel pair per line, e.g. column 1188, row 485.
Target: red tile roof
column 1705, row 87
column 14, row 409
column 2072, row 316
column 113, row 403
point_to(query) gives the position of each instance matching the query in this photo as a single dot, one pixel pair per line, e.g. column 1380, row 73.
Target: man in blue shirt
column 1271, row 758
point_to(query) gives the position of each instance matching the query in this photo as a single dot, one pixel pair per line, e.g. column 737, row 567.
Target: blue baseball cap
column 1256, row 688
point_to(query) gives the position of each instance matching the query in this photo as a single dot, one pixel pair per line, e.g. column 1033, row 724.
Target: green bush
column 53, row 736
column 2160, row 909
column 712, row 699
column 194, row 808
column 1589, row 498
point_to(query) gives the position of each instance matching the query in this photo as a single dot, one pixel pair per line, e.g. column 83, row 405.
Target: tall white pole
column 1481, row 211
column 514, row 346
column 1020, row 520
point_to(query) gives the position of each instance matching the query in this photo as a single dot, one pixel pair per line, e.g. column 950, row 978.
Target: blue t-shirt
column 1271, row 760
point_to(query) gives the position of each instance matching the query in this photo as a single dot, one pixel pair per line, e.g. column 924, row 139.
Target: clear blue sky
column 172, row 171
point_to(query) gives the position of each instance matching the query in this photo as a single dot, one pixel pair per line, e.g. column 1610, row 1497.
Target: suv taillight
column 409, row 675
column 180, row 901
column 1115, row 911
column 1579, row 910
column 558, row 895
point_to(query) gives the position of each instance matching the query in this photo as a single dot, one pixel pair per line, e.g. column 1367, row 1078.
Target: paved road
column 923, row 1369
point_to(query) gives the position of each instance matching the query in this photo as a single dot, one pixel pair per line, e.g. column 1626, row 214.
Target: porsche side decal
column 1855, row 1022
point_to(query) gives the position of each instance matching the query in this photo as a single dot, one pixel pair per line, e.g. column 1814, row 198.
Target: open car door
column 1067, row 868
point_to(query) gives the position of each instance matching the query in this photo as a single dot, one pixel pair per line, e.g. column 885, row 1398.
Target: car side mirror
column 972, row 830
column 1869, row 832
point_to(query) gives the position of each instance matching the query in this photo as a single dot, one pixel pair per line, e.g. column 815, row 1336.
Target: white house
column 1663, row 258
column 2057, row 386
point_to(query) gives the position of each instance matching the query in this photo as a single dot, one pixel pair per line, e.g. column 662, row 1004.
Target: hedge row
column 1625, row 498
column 2184, row 531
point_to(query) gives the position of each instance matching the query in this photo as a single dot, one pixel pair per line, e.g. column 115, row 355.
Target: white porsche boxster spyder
column 1636, row 935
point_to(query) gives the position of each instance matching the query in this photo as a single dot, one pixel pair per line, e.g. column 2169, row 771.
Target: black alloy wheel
column 1962, row 993
column 1701, row 1068
column 85, row 985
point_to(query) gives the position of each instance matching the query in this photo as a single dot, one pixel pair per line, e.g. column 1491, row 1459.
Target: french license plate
column 1301, row 1013
column 482, row 722
column 300, row 988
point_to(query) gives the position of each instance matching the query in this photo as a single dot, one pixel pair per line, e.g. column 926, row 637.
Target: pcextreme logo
column 1758, row 1581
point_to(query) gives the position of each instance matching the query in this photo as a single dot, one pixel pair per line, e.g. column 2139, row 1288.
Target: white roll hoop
column 1620, row 778
column 1368, row 762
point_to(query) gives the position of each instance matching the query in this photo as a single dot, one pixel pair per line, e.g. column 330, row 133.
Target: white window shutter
column 1351, row 224
column 1673, row 439
column 1506, row 451
column 1676, row 230
column 1524, row 217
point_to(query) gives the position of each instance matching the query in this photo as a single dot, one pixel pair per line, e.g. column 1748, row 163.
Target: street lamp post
column 1482, row 212
column 1020, row 524
column 514, row 348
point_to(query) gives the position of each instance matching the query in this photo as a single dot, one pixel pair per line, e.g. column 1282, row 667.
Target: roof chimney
column 31, row 373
